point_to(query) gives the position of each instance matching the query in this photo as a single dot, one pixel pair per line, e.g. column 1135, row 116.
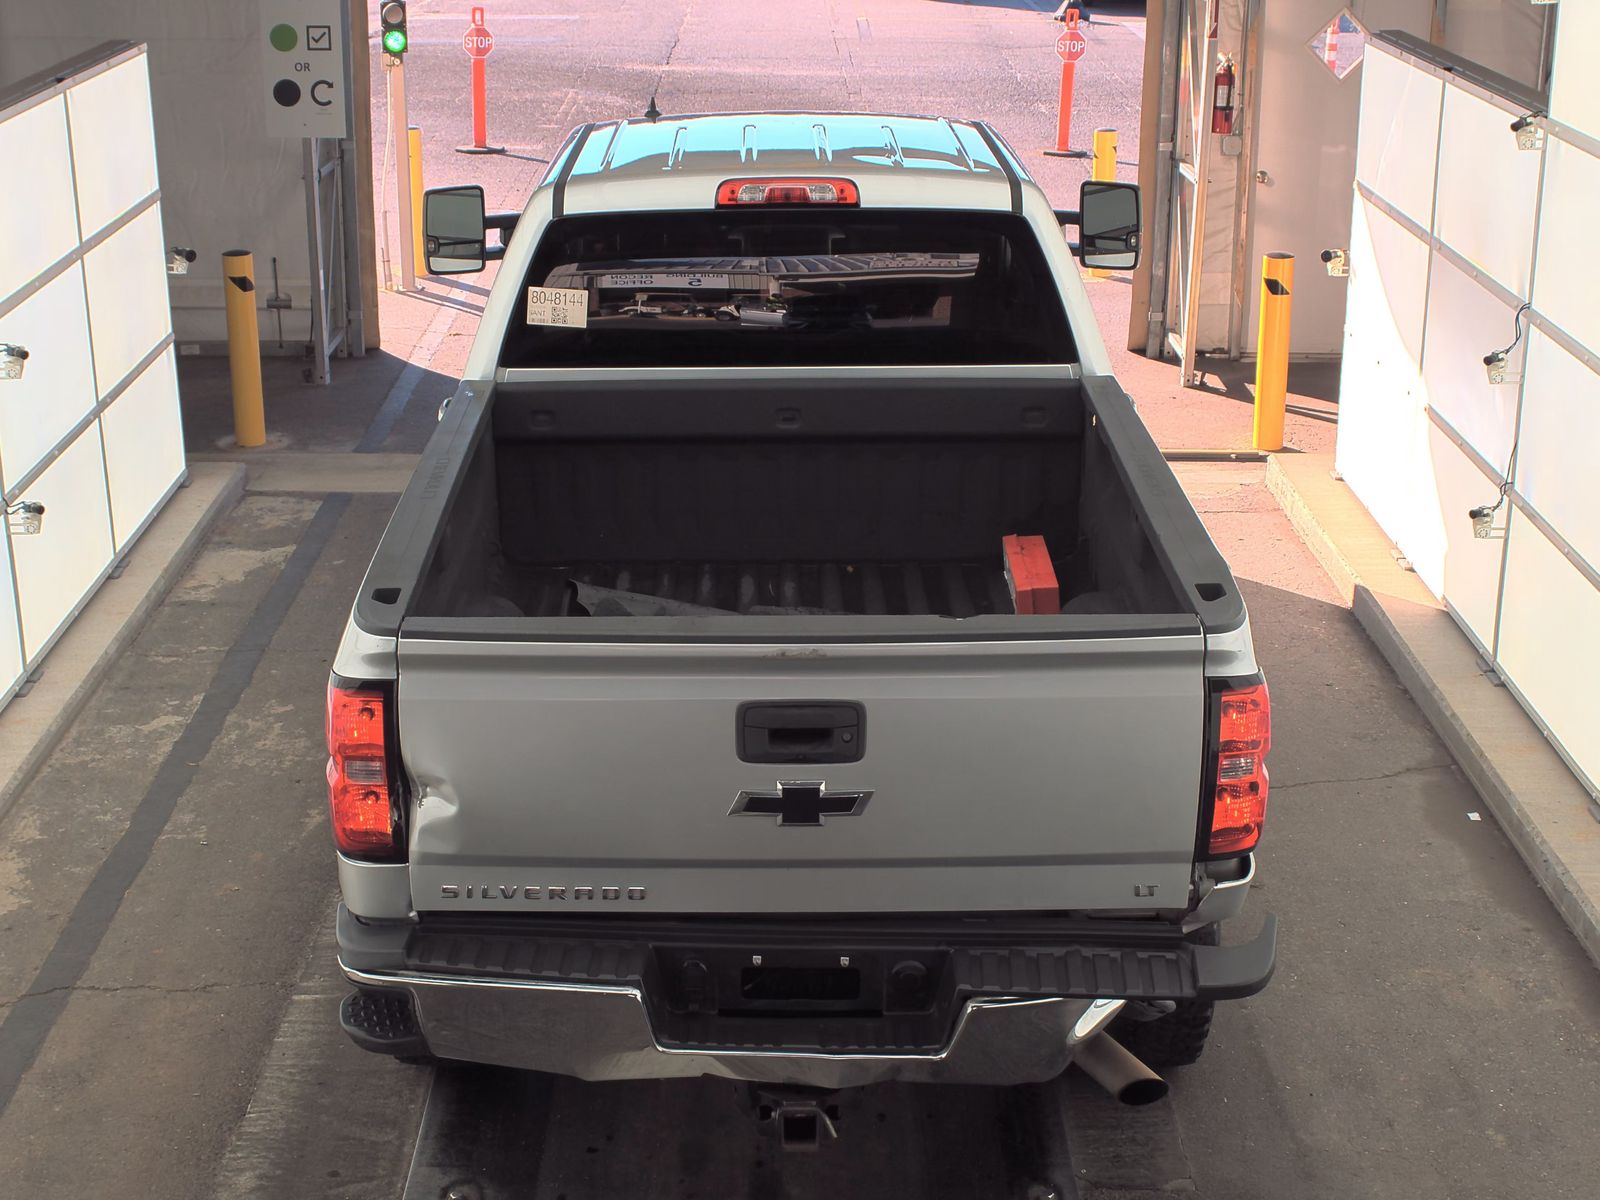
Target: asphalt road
column 167, row 993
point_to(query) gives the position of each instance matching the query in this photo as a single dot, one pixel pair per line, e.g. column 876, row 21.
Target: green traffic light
column 395, row 41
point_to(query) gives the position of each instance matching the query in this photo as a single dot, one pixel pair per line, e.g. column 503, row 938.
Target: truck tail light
column 361, row 783
column 735, row 193
column 1239, row 802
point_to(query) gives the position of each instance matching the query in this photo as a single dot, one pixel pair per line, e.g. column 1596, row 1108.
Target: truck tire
column 1177, row 1039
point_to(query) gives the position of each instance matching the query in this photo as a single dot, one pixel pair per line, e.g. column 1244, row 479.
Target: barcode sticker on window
column 558, row 306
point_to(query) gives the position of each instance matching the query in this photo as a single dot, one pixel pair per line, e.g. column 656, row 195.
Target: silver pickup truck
column 692, row 717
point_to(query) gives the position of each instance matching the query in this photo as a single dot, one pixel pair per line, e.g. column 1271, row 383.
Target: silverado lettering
column 513, row 891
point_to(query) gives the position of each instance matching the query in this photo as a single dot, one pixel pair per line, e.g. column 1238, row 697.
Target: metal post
column 1204, row 140
column 399, row 127
column 244, row 347
column 311, row 157
column 418, row 258
column 355, row 326
column 1160, row 245
column 1272, row 349
column 1104, row 167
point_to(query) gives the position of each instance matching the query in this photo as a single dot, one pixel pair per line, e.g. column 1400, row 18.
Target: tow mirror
column 1108, row 225
column 453, row 230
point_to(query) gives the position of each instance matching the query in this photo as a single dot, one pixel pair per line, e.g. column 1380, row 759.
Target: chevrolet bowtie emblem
column 799, row 803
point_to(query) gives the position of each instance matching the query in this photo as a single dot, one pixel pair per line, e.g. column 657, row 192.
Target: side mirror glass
column 1108, row 225
column 453, row 230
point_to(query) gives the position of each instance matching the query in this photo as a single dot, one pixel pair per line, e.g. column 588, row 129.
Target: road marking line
column 27, row 1026
column 395, row 403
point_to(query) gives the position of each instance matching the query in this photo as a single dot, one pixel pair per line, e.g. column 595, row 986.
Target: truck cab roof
column 676, row 162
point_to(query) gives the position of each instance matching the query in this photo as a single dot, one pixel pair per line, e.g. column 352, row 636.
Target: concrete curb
column 31, row 726
column 1543, row 809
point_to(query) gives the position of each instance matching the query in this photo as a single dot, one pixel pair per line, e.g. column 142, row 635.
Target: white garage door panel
column 144, row 445
column 1465, row 322
column 36, row 211
column 1574, row 98
column 1561, row 413
column 1382, row 442
column 56, row 390
column 56, row 566
column 1550, row 641
column 1399, row 130
column 1487, row 189
column 113, row 143
column 127, row 277
column 1569, row 239
column 10, row 641
column 1464, row 569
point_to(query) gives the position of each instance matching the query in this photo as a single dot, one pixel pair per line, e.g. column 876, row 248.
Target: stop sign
column 1071, row 45
column 477, row 41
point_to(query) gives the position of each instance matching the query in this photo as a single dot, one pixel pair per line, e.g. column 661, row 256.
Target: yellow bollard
column 1272, row 349
column 414, row 140
column 244, row 347
column 1104, row 168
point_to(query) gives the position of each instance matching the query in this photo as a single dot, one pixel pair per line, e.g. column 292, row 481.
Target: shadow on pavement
column 335, row 417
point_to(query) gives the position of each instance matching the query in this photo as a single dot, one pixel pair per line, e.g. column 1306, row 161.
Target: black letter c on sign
column 316, row 97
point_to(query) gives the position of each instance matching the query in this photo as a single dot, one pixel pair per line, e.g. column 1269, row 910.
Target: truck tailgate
column 1003, row 776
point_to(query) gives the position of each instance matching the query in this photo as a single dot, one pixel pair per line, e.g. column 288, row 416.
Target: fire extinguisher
column 1222, row 98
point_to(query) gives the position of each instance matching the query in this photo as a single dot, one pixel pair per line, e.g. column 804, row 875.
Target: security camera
column 1530, row 136
column 178, row 260
column 1483, row 520
column 11, row 360
column 25, row 518
column 1494, row 366
column 1337, row 262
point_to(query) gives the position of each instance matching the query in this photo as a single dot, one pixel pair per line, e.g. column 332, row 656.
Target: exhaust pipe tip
column 1106, row 1061
column 1143, row 1091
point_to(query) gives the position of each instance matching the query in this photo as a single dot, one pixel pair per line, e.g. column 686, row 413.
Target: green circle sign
column 283, row 37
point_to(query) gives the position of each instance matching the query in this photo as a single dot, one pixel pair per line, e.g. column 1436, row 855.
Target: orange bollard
column 1070, row 47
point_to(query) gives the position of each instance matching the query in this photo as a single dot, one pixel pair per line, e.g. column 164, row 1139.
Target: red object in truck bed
column 1031, row 577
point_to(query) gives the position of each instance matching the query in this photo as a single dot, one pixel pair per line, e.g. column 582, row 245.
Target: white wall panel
column 1465, row 322
column 1463, row 569
column 210, row 49
column 57, row 566
column 1568, row 287
column 10, row 639
column 56, row 390
column 113, row 144
column 1560, row 437
column 38, row 219
column 1488, row 190
column 1382, row 438
column 143, row 433
column 128, row 312
column 1574, row 92
column 1550, row 641
column 1395, row 154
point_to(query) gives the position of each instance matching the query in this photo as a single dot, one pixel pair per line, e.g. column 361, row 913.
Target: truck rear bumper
column 1014, row 1015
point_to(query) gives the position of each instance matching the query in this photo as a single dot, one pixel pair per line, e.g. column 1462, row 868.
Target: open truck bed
column 817, row 511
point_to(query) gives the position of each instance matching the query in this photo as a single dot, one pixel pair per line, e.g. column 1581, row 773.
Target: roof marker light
column 735, row 193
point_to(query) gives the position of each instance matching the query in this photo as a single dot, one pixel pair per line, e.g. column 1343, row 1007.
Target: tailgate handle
column 823, row 731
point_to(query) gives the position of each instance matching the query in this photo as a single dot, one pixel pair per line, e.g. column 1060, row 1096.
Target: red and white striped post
column 478, row 42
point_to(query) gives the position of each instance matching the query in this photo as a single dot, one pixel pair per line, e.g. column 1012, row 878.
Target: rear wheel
column 1176, row 1039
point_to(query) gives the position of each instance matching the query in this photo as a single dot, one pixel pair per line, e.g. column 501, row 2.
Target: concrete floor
column 166, row 989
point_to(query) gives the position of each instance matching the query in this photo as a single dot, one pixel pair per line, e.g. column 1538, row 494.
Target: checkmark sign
column 319, row 37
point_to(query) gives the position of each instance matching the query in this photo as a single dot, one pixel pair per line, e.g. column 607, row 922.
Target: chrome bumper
column 600, row 1032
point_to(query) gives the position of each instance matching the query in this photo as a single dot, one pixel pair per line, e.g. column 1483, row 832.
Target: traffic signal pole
column 399, row 130
column 392, row 19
